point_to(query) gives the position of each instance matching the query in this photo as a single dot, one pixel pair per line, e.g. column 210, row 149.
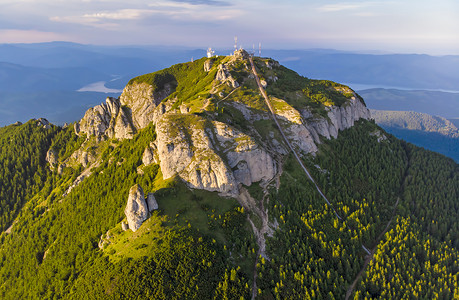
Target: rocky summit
column 213, row 129
column 228, row 177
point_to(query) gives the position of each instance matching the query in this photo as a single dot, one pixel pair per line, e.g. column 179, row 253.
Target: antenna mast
column 210, row 52
column 235, row 43
column 259, row 49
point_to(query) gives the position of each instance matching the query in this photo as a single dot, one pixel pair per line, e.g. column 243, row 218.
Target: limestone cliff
column 339, row 118
column 142, row 101
column 107, row 119
column 210, row 155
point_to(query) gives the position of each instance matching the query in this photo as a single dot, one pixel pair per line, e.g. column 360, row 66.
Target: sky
column 403, row 26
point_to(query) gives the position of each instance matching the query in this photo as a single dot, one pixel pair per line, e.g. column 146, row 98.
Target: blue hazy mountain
column 398, row 70
column 431, row 132
column 430, row 102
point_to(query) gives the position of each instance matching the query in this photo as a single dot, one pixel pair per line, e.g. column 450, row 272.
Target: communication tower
column 259, row 49
column 210, row 52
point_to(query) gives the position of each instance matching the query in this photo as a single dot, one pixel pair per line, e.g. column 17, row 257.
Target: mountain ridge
column 235, row 215
column 153, row 98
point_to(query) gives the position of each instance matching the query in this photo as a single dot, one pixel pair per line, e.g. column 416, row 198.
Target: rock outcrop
column 204, row 154
column 149, row 155
column 107, row 119
column 208, row 65
column 188, row 153
column 224, row 75
column 42, row 122
column 143, row 101
column 136, row 210
column 339, row 118
column 83, row 157
column 250, row 162
column 52, row 158
column 104, row 240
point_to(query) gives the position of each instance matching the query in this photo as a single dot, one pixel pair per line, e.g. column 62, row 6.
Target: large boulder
column 52, row 157
column 136, row 210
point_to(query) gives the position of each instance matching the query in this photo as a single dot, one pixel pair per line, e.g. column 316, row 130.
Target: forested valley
column 198, row 249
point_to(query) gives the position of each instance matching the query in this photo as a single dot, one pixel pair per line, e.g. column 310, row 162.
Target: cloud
column 29, row 36
column 106, row 19
column 123, row 14
column 340, row 7
column 160, row 11
column 205, row 2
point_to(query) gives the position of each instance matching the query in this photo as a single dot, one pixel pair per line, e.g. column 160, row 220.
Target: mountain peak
column 213, row 127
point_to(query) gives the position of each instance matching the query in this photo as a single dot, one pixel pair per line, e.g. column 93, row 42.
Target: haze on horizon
column 410, row 26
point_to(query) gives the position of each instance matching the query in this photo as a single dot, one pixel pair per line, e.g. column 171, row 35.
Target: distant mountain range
column 410, row 71
column 429, row 102
column 431, row 132
column 415, row 121
column 41, row 80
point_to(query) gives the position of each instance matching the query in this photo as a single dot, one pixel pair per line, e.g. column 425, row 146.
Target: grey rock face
column 143, row 101
column 224, row 75
column 189, row 153
column 148, row 156
column 208, row 65
column 205, row 154
column 242, row 173
column 339, row 118
column 51, row 157
column 251, row 161
column 305, row 130
column 108, row 119
column 136, row 210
